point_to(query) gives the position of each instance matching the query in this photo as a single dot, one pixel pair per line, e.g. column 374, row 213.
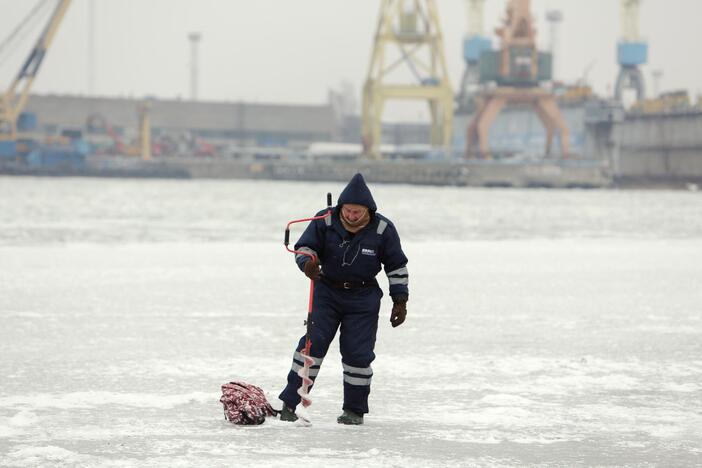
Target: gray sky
column 293, row 51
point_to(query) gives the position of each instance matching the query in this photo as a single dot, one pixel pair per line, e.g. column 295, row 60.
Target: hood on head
column 357, row 192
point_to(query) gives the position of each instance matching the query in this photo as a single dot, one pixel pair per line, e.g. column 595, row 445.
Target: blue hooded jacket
column 361, row 256
column 358, row 193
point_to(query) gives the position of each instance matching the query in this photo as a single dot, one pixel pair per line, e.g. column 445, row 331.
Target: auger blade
column 304, row 374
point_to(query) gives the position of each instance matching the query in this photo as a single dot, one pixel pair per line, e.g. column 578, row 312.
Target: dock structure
column 555, row 174
column 613, row 147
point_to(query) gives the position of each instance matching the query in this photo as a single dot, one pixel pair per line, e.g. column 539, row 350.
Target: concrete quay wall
column 562, row 174
column 659, row 149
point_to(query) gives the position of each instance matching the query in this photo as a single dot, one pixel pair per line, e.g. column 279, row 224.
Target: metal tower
column 194, row 38
column 412, row 27
column 144, row 142
column 91, row 48
column 475, row 43
column 632, row 52
column 554, row 18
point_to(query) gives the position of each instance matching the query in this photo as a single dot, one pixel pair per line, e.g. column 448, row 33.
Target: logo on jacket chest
column 366, row 251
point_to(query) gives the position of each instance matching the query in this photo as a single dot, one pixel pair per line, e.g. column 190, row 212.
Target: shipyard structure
column 210, row 139
column 509, row 123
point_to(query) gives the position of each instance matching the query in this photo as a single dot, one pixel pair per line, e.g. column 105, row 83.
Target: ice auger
column 304, row 371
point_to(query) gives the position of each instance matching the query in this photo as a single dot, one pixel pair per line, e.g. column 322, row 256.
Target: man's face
column 353, row 212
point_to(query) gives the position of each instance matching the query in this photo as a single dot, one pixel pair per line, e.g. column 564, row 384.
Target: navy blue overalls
column 348, row 294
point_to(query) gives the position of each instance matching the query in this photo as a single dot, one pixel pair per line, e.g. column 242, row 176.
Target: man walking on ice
column 350, row 247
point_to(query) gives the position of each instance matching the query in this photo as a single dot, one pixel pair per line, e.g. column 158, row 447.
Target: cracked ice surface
column 569, row 335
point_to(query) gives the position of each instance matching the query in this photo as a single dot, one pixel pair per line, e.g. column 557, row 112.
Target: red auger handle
column 286, row 242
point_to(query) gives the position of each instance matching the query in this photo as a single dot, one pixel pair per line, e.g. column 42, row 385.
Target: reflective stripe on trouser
column 360, row 376
column 357, row 313
column 299, row 361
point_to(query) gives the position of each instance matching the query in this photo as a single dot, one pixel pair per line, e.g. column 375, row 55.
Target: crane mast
column 632, row 52
column 475, row 42
column 13, row 101
column 630, row 20
column 474, row 17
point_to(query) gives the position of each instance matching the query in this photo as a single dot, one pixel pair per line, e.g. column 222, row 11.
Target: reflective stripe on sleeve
column 399, row 272
column 399, row 276
column 307, row 250
column 398, row 280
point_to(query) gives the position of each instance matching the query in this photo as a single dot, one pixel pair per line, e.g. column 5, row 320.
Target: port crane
column 517, row 68
column 14, row 99
column 410, row 27
column 632, row 52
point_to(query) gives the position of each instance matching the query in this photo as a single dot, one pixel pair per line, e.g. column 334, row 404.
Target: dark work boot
column 286, row 414
column 349, row 417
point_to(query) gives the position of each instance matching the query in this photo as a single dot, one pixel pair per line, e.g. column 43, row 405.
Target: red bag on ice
column 245, row 403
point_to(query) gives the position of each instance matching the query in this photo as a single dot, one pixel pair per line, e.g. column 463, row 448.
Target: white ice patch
column 7, row 432
column 44, row 456
column 669, row 329
column 92, row 399
column 24, row 419
column 462, row 435
column 684, row 388
column 17, row 424
column 505, row 400
column 303, row 417
column 507, row 341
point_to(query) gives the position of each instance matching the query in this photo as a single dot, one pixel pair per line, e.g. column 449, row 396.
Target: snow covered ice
column 545, row 327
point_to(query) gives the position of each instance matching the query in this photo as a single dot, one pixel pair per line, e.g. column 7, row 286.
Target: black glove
column 399, row 312
column 312, row 269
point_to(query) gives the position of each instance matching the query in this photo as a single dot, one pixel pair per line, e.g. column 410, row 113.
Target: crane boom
column 12, row 102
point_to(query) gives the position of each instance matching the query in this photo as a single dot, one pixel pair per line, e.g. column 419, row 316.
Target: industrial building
column 240, row 123
column 229, row 126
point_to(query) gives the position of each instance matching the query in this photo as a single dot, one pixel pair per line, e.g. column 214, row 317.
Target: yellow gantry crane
column 13, row 101
column 412, row 26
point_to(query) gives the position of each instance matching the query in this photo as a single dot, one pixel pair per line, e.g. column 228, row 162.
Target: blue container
column 8, row 149
column 632, row 54
column 474, row 46
column 271, row 140
column 27, row 122
column 81, row 147
column 26, row 146
column 50, row 157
